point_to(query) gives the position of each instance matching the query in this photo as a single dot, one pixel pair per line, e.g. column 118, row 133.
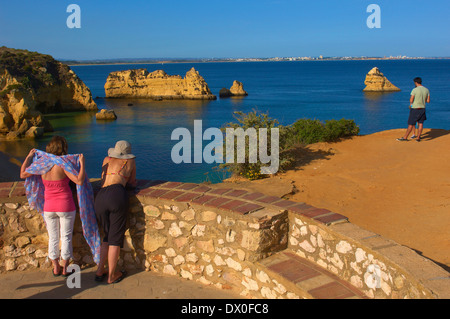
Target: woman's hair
column 57, row 146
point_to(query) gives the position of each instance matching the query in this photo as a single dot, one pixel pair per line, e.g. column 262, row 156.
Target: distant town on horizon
column 271, row 59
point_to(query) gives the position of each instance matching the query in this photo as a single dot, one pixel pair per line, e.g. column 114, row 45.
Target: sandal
column 56, row 275
column 401, row 139
column 100, row 278
column 124, row 273
column 68, row 274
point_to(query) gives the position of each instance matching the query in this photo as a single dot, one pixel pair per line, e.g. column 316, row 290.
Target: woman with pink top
column 59, row 206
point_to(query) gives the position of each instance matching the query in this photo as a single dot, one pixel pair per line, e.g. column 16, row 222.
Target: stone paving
column 137, row 285
column 291, row 269
column 307, row 277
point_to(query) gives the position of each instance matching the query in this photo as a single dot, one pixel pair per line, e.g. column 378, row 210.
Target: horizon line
column 295, row 58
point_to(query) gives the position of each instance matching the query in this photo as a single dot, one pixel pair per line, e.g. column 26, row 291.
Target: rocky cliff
column 157, row 85
column 377, row 82
column 32, row 84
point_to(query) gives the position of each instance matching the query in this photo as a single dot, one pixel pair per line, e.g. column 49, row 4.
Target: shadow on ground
column 433, row 134
column 61, row 290
column 443, row 266
column 138, row 284
column 304, row 156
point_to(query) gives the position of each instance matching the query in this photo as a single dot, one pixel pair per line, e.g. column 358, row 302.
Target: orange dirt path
column 400, row 190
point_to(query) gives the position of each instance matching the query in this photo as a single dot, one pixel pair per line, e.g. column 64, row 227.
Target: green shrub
column 307, row 131
column 334, row 130
column 292, row 139
column 256, row 120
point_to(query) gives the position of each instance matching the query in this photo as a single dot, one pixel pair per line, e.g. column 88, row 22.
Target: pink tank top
column 58, row 196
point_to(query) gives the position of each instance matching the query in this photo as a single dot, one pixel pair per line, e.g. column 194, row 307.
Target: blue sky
column 217, row 29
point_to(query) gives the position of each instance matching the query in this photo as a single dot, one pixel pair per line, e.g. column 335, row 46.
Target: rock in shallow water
column 106, row 115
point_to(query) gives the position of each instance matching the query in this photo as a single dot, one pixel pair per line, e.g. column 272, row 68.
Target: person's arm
column 428, row 98
column 411, row 101
column 81, row 175
column 26, row 163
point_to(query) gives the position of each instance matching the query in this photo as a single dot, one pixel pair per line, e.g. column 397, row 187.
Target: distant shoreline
column 87, row 63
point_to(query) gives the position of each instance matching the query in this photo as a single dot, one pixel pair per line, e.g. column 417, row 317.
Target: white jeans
column 60, row 224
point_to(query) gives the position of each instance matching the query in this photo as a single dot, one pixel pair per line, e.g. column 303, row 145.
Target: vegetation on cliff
column 32, row 69
column 293, row 140
column 32, row 84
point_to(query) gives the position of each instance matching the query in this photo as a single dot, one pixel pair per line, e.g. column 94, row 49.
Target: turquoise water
column 286, row 90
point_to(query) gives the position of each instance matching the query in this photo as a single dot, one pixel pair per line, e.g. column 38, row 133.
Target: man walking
column 420, row 95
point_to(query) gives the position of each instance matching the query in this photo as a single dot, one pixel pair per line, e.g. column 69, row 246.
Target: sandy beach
column 400, row 190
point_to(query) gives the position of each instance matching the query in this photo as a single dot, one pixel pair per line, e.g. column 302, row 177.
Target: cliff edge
column 157, row 85
column 32, row 84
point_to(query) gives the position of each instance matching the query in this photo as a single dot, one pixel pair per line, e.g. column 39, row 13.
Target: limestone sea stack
column 32, row 84
column 237, row 89
column 377, row 82
column 106, row 115
column 157, row 85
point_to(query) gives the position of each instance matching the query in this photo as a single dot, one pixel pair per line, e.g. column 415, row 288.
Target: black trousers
column 111, row 208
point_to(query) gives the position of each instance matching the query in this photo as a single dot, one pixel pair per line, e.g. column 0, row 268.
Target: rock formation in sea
column 237, row 89
column 157, row 85
column 377, row 82
column 33, row 84
column 106, row 115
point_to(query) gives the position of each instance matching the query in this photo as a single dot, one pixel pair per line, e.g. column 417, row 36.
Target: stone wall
column 220, row 236
column 375, row 265
column 23, row 236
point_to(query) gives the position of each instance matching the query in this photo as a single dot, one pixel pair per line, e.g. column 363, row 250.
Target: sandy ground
column 400, row 190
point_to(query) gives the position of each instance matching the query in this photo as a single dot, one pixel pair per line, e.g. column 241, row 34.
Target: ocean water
column 286, row 90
